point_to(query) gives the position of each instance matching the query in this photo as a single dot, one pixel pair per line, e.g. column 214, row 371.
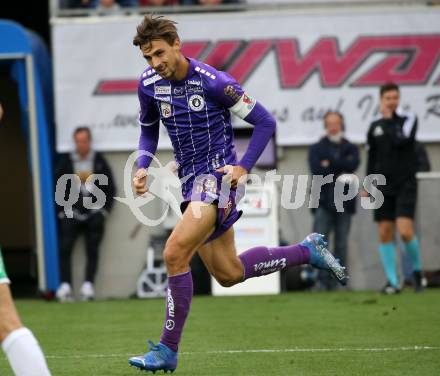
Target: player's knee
column 174, row 253
column 385, row 235
column 8, row 325
column 406, row 234
column 171, row 257
column 225, row 281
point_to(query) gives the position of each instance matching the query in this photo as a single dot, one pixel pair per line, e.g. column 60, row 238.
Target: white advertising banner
column 297, row 65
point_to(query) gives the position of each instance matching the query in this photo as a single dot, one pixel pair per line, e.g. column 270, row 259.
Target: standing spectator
column 107, row 7
column 84, row 162
column 392, row 153
column 333, row 154
column 157, row 3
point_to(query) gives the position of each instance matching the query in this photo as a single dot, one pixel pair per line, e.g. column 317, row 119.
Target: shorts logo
column 196, row 102
column 227, row 210
column 179, row 90
column 166, row 109
column 162, row 90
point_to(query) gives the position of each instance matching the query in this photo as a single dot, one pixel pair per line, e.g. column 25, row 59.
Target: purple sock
column 178, row 300
column 260, row 261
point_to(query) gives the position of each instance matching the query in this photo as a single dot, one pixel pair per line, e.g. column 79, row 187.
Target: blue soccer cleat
column 321, row 258
column 160, row 357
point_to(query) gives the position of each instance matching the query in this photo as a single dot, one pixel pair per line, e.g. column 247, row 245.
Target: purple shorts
column 211, row 189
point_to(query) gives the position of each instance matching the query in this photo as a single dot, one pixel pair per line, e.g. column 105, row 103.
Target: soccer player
column 194, row 101
column 18, row 343
column 392, row 152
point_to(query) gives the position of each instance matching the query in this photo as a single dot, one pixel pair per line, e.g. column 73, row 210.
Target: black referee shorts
column 402, row 203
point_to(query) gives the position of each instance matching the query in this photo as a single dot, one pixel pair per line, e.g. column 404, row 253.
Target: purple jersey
column 196, row 114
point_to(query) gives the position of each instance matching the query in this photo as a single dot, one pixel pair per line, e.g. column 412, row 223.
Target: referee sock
column 387, row 253
column 261, row 261
column 24, row 354
column 413, row 249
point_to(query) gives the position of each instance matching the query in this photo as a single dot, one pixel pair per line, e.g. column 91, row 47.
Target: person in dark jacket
column 89, row 217
column 392, row 153
column 333, row 154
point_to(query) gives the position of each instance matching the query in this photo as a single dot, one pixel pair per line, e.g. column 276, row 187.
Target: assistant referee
column 391, row 152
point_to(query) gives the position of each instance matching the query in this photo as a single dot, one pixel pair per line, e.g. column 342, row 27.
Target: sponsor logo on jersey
column 196, row 102
column 163, row 99
column 166, row 109
column 195, row 89
column 179, row 90
column 151, row 80
column 194, row 82
column 232, row 93
column 162, row 90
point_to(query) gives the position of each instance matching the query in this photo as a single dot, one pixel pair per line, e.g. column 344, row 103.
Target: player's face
column 162, row 57
column 390, row 99
column 82, row 143
column 333, row 124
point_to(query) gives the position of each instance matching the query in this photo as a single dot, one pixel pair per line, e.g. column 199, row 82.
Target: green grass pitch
column 344, row 333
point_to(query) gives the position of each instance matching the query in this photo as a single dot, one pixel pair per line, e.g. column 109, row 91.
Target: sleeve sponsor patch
column 232, row 93
column 244, row 106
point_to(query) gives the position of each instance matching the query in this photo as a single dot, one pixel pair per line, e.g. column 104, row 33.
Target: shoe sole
column 153, row 371
column 337, row 270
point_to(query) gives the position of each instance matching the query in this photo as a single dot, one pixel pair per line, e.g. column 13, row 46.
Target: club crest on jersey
column 162, row 90
column 196, row 102
column 378, row 131
column 166, row 109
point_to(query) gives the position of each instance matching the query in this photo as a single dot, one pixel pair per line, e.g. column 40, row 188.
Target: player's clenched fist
column 140, row 181
column 236, row 174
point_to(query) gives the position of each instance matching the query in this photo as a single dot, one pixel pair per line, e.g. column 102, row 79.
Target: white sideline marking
column 269, row 351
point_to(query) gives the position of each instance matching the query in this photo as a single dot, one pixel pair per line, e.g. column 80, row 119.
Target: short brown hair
column 389, row 86
column 82, row 128
column 154, row 28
